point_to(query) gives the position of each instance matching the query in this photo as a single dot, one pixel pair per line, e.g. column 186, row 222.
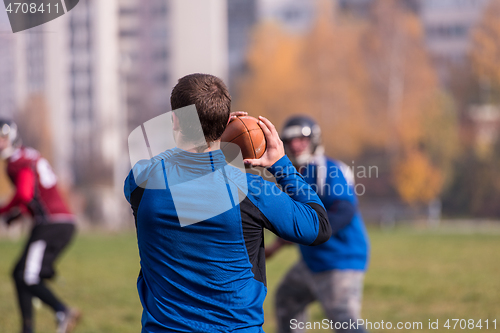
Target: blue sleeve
column 340, row 214
column 292, row 182
column 294, row 212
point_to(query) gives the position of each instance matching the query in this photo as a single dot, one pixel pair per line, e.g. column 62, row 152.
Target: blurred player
column 53, row 227
column 210, row 276
column 331, row 273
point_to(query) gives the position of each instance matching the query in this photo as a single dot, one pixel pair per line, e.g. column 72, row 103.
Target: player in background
column 53, row 227
column 331, row 273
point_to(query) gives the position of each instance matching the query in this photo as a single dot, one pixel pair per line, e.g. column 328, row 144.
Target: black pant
column 36, row 264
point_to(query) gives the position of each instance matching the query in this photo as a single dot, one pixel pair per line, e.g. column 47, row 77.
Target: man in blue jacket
column 331, row 273
column 200, row 221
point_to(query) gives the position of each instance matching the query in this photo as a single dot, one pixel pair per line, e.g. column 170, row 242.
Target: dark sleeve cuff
column 324, row 228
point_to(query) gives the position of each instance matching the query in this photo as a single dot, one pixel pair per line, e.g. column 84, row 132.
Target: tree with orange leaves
column 273, row 80
column 485, row 53
column 319, row 74
column 336, row 82
column 368, row 84
column 407, row 105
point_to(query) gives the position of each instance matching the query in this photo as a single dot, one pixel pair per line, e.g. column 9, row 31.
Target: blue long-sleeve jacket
column 201, row 242
column 348, row 247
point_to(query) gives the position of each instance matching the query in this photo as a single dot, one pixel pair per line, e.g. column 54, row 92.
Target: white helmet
column 8, row 129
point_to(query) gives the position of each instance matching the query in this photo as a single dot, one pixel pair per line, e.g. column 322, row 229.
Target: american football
column 247, row 134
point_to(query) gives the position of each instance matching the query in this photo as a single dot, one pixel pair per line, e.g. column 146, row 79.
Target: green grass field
column 415, row 275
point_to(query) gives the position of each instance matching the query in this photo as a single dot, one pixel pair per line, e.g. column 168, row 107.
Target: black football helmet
column 302, row 126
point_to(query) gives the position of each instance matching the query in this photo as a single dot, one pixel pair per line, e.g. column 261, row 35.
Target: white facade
column 242, row 16
column 486, row 119
column 7, row 67
column 97, row 122
column 103, row 67
column 163, row 40
column 7, row 75
column 296, row 16
column 145, row 47
column 198, row 31
column 73, row 62
column 448, row 25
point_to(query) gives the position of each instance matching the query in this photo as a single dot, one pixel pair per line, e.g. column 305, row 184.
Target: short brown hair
column 211, row 98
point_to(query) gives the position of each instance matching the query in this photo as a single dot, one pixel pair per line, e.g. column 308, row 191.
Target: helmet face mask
column 301, row 127
column 9, row 137
column 9, row 131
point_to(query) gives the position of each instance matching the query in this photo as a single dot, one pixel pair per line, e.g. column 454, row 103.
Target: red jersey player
column 36, row 195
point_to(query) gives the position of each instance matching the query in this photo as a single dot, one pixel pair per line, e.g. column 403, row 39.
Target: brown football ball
column 247, row 134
